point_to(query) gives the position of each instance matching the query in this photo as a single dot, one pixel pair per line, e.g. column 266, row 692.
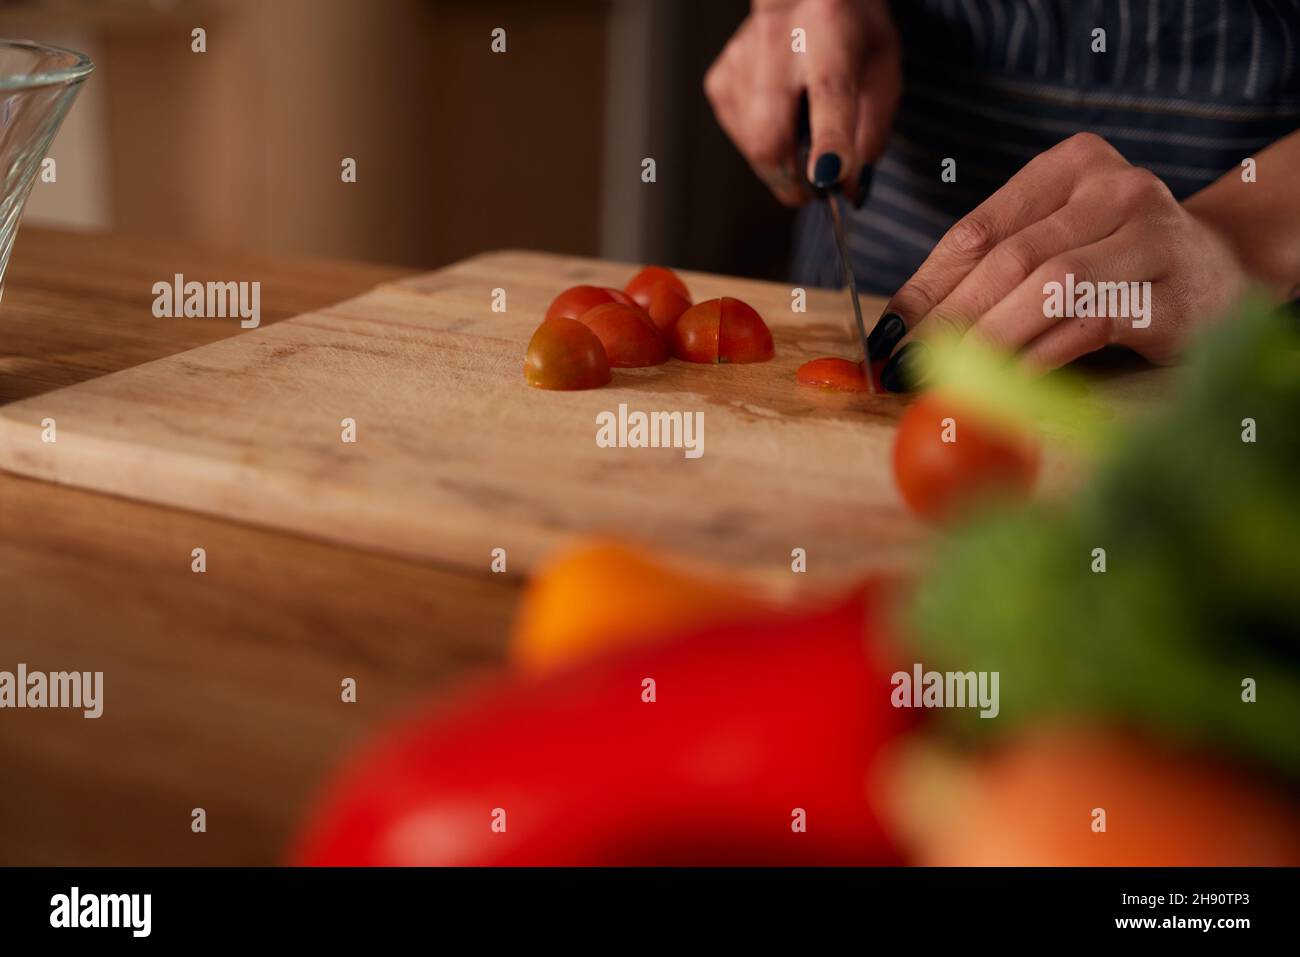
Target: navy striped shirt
column 1185, row 88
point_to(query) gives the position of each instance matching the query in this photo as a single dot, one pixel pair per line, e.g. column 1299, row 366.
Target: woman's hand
column 1078, row 210
column 850, row 70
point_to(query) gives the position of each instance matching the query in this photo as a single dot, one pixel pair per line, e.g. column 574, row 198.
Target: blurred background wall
column 458, row 149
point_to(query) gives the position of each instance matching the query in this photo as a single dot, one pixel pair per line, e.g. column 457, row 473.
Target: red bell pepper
column 751, row 722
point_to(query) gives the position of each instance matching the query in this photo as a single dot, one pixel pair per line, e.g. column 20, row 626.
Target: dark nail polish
column 906, row 371
column 885, row 335
column 826, row 173
column 864, row 184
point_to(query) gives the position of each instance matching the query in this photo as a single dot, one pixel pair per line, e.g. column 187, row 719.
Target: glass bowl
column 37, row 86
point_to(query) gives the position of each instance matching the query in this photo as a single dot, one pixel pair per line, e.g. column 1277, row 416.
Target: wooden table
column 222, row 689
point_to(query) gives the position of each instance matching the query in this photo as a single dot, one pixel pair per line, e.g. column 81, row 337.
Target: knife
column 834, row 200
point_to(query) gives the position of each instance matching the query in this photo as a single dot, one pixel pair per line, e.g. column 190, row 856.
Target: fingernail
column 864, row 184
column 826, row 172
column 906, row 371
column 885, row 335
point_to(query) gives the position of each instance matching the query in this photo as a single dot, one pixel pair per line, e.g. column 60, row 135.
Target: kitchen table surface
column 221, row 690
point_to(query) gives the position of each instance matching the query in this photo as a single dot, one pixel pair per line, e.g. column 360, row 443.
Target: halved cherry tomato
column 565, row 354
column 721, row 330
column 628, row 335
column 666, row 306
column 576, row 300
column 694, row 336
column 643, row 285
column 947, row 457
column 839, row 375
column 743, row 336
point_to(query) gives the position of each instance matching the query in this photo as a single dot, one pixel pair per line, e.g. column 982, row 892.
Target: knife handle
column 803, row 146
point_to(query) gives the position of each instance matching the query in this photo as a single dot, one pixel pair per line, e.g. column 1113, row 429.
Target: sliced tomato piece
column 628, row 335
column 565, row 354
column 834, row 374
column 743, row 336
column 576, row 300
column 643, row 284
column 840, row 375
column 694, row 336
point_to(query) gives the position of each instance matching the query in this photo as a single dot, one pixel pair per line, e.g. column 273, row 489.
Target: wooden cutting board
column 455, row 456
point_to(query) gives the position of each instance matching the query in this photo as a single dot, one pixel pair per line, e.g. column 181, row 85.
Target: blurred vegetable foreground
column 1149, row 712
column 1198, row 607
column 695, row 752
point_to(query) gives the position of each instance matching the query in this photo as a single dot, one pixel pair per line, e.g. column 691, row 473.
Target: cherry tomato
column 628, row 335
column 721, row 330
column 565, row 354
column 666, row 306
column 839, row 375
column 643, row 285
column 947, row 458
column 576, row 300
column 694, row 336
column 743, row 336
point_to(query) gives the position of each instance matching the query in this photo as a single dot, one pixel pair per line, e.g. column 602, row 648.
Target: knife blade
column 833, row 200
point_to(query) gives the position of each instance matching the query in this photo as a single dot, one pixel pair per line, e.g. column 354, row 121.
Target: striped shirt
column 1185, row 88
